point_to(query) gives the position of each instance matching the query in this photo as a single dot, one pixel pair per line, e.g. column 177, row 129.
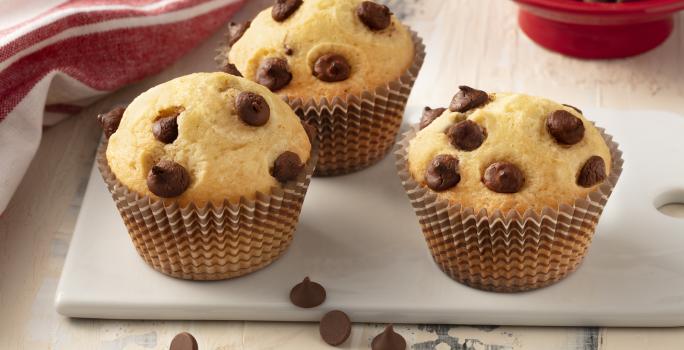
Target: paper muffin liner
column 507, row 251
column 356, row 131
column 210, row 242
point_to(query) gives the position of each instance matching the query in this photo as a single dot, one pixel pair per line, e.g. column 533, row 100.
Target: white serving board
column 358, row 236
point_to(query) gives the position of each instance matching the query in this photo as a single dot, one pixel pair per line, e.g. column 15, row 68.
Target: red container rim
column 607, row 9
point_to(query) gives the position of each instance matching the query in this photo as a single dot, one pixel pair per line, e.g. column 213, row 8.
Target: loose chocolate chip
column 468, row 98
column 166, row 129
column 236, row 31
column 232, row 70
column 183, row 341
column 282, row 9
column 575, row 108
column 442, row 173
column 273, row 73
column 565, row 127
column 466, row 135
column 335, row 327
column 503, row 177
column 332, row 68
column 307, row 294
column 593, row 172
column 168, row 179
column 429, row 115
column 374, row 16
column 388, row 340
column 287, row 166
column 252, row 109
column 310, row 131
column 110, row 120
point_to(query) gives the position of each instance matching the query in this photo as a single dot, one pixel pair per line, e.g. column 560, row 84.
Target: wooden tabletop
column 469, row 42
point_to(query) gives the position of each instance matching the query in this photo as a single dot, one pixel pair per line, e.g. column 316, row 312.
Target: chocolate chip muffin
column 508, row 151
column 508, row 187
column 194, row 157
column 345, row 66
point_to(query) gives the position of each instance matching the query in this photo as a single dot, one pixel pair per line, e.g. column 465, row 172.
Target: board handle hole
column 671, row 203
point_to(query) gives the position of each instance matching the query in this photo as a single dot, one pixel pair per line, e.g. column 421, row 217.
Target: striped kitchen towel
column 57, row 56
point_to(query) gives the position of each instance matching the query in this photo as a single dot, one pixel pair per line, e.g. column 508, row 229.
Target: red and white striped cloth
column 57, row 56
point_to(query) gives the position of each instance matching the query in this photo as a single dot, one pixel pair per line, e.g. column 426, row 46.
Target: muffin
column 345, row 66
column 209, row 172
column 508, row 187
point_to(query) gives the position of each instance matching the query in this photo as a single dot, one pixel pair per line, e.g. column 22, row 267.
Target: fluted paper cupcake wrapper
column 210, row 242
column 356, row 131
column 507, row 251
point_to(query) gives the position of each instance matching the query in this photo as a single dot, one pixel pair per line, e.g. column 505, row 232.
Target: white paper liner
column 210, row 242
column 507, row 252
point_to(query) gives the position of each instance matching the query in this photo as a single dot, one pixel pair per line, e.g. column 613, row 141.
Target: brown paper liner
column 356, row 131
column 210, row 242
column 507, row 252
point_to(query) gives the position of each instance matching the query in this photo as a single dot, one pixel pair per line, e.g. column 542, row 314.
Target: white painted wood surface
column 471, row 42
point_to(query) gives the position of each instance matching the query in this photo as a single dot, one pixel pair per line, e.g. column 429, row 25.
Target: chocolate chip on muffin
column 466, row 135
column 442, row 173
column 503, row 177
column 287, row 166
column 332, row 68
column 236, row 31
column 252, row 108
column 274, row 73
column 374, row 16
column 564, row 127
column 166, row 129
column 168, row 179
column 110, row 120
column 283, row 9
column 429, row 115
column 232, row 70
column 593, row 172
column 468, row 98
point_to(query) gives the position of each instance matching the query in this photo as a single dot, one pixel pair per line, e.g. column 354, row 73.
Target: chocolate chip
column 287, row 166
column 565, row 127
column 168, row 179
column 273, row 73
column 575, row 108
column 232, row 70
column 183, row 341
column 374, row 16
column 332, row 68
column 166, row 129
column 252, row 109
column 282, row 9
column 429, row 116
column 110, row 120
column 310, row 131
column 442, row 173
column 388, row 340
column 593, row 172
column 307, row 294
column 289, row 51
column 335, row 327
column 236, row 31
column 466, row 135
column 503, row 177
column 468, row 98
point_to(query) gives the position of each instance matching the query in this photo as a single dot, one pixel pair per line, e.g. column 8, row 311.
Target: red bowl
column 598, row 30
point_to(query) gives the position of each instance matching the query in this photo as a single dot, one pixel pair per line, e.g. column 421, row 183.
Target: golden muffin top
column 321, row 48
column 508, row 151
column 206, row 137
